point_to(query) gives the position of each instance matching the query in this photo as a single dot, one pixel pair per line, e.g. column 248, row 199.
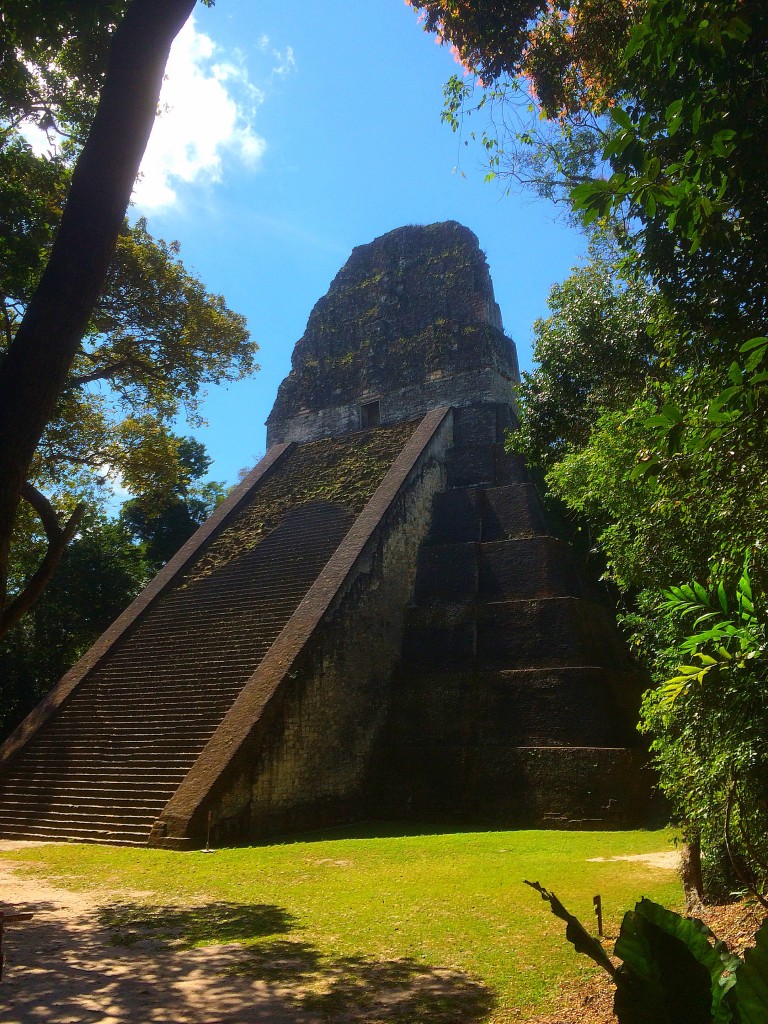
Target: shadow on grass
column 359, row 989
column 342, row 989
column 137, row 960
column 189, row 926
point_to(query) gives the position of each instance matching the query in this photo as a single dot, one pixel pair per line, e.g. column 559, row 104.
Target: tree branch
column 58, row 539
column 103, row 374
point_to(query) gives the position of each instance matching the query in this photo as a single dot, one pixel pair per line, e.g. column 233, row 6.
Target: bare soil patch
column 83, row 960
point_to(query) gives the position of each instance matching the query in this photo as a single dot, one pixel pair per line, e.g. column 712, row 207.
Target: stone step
column 527, row 568
column 522, row 569
column 583, row 705
column 465, row 514
column 518, row 786
column 547, row 633
column 48, row 771
column 137, row 725
column 512, row 510
column 61, row 833
column 79, row 816
column 139, row 807
column 472, row 465
column 141, row 730
column 559, row 631
column 510, row 469
column 456, row 516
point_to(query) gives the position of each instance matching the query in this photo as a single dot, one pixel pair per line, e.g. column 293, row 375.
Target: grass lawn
column 338, row 911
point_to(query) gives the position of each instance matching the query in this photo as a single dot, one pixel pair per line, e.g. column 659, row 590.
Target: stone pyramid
column 376, row 623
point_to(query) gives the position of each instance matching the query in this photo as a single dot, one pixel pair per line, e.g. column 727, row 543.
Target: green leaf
column 705, row 618
column 753, row 343
column 701, row 594
column 758, row 354
column 714, row 413
column 691, row 966
column 621, row 117
column 672, row 413
column 752, row 987
column 745, row 584
column 707, row 659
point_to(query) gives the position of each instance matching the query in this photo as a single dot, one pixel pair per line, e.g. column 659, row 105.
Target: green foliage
column 591, row 353
column 53, row 59
column 100, row 573
column 710, row 727
column 687, row 158
column 567, row 51
column 733, row 642
column 674, row 969
column 156, row 338
column 162, row 522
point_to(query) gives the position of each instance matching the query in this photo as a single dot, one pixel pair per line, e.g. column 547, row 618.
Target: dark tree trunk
column 35, row 369
column 690, row 873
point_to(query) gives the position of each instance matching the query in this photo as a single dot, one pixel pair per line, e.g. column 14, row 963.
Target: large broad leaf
column 676, row 953
column 752, row 987
column 640, row 997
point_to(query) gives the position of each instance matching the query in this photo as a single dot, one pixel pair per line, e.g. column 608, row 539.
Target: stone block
column 561, row 632
column 532, row 567
column 456, row 516
column 476, row 425
column 471, row 465
column 509, row 469
column 513, row 510
column 446, row 574
column 439, row 639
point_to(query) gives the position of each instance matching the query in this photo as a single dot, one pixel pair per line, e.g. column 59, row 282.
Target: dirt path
column 67, row 966
column 63, row 968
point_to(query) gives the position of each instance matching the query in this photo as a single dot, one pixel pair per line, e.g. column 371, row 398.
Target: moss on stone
column 343, row 470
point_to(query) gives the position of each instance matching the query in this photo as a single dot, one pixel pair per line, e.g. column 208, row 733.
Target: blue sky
column 296, row 131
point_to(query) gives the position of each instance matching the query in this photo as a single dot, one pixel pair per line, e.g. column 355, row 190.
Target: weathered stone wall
column 461, row 390
column 409, row 321
column 305, row 759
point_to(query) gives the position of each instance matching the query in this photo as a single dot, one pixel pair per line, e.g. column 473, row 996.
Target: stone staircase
column 515, row 698
column 104, row 767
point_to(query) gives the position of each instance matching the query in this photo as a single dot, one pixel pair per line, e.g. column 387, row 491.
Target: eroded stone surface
column 410, row 322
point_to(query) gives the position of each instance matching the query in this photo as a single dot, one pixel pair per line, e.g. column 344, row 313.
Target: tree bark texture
column 690, row 874
column 58, row 539
column 34, row 371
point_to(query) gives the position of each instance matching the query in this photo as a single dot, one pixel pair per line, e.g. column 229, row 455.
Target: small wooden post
column 598, row 905
column 8, row 918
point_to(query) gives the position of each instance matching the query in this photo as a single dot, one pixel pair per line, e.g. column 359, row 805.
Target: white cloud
column 286, row 62
column 208, row 105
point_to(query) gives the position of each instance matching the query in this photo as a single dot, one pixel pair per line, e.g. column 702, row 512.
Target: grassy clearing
column 338, row 911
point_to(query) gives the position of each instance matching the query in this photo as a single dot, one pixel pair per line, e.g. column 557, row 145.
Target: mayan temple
column 376, row 623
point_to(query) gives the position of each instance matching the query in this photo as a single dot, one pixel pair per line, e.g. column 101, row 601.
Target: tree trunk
column 690, row 874
column 35, row 369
